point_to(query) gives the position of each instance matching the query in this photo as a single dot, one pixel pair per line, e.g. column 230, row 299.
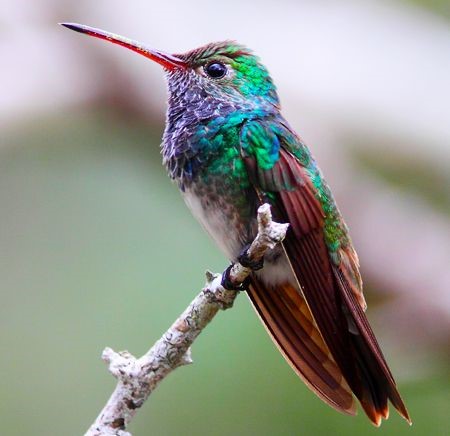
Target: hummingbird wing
column 324, row 263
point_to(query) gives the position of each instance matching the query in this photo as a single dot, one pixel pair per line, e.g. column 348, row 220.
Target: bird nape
column 229, row 149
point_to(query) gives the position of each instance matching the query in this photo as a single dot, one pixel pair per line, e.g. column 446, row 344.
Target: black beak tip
column 73, row 26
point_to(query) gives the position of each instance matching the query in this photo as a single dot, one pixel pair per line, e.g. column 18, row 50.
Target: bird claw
column 245, row 261
column 228, row 284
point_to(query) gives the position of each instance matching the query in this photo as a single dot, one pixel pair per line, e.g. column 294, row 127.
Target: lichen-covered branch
column 137, row 378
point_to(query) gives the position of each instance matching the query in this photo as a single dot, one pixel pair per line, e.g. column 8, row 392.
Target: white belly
column 231, row 240
column 217, row 223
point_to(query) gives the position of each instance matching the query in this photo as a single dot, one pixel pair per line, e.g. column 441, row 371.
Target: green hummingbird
column 229, row 149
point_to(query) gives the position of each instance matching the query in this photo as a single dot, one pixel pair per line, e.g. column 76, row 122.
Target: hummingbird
column 229, row 149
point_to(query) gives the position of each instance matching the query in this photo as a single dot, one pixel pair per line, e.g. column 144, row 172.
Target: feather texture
column 288, row 320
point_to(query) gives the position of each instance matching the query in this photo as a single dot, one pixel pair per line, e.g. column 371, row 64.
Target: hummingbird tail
column 289, row 322
column 343, row 325
column 378, row 382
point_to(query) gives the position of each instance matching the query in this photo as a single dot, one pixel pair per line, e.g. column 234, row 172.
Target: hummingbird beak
column 168, row 61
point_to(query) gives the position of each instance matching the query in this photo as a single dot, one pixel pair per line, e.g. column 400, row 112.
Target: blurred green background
column 97, row 248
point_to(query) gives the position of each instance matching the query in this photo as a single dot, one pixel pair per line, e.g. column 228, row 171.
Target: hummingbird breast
column 229, row 217
column 202, row 153
column 225, row 211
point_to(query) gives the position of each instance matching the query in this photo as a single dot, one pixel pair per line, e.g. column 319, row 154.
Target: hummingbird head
column 226, row 70
column 213, row 90
column 221, row 71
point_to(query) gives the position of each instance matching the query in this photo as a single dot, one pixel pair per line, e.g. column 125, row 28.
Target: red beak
column 168, row 61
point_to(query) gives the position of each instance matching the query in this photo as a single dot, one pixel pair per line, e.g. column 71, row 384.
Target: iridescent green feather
column 263, row 139
column 251, row 77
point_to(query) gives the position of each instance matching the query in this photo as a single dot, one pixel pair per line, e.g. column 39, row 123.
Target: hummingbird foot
column 247, row 262
column 227, row 283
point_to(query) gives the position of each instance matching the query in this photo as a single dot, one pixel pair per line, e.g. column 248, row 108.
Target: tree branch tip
column 264, row 215
column 186, row 359
column 264, row 209
column 210, row 277
column 109, row 355
column 278, row 231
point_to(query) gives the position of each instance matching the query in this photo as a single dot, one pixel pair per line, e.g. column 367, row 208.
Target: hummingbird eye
column 216, row 70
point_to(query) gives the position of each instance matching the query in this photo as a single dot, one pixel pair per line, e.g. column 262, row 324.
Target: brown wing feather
column 333, row 293
column 335, row 298
column 369, row 338
column 288, row 320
